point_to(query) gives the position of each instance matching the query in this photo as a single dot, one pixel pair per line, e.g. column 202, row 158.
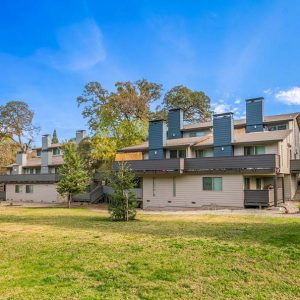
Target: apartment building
column 34, row 175
column 248, row 162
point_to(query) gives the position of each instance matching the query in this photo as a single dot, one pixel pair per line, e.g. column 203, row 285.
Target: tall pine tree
column 54, row 137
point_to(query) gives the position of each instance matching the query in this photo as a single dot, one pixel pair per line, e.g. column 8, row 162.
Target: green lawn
column 80, row 254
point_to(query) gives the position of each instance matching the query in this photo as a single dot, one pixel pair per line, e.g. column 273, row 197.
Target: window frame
column 212, row 184
column 252, row 150
column 29, row 188
column 18, row 189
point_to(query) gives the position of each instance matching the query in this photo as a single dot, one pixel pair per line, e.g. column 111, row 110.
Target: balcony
column 295, row 165
column 262, row 198
column 154, row 166
column 268, row 163
column 29, row 178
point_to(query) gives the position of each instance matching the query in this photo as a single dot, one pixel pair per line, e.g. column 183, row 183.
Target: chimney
column 254, row 114
column 175, row 123
column 80, row 135
column 21, row 160
column 223, row 134
column 46, row 155
column 157, row 139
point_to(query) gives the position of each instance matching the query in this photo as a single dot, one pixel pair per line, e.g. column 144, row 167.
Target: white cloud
column 80, row 46
column 290, row 97
column 268, row 91
column 237, row 101
column 220, row 108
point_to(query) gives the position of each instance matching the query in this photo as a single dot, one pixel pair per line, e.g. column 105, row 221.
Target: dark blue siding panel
column 156, row 154
column 223, row 151
column 175, row 124
column 223, row 130
column 254, row 115
column 157, row 134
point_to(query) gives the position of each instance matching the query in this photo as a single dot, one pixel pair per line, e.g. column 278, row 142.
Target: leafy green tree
column 118, row 119
column 16, row 124
column 54, row 137
column 195, row 104
column 123, row 202
column 73, row 177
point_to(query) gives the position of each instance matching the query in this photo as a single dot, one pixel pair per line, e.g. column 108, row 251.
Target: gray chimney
column 21, row 160
column 175, row 123
column 46, row 155
column 254, row 115
column 80, row 135
column 46, row 141
column 157, row 139
column 223, row 134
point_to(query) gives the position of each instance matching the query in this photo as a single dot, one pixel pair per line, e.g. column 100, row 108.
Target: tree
column 195, row 104
column 73, row 177
column 123, row 202
column 16, row 124
column 8, row 151
column 54, row 137
column 118, row 119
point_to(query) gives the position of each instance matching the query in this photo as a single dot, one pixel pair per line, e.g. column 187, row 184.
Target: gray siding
column 223, row 135
column 254, row 115
column 295, row 165
column 157, row 139
column 175, row 123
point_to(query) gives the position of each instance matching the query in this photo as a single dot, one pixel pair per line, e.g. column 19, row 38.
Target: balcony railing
column 154, row 165
column 268, row 163
column 30, row 178
column 263, row 198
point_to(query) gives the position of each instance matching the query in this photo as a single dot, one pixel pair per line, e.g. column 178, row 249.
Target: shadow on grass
column 278, row 233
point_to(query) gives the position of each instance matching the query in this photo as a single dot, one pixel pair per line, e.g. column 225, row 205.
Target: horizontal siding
column 45, row 193
column 189, row 189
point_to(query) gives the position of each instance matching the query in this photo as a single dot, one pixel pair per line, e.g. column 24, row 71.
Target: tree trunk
column 69, row 200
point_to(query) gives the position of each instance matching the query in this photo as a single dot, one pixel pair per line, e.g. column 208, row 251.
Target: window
column 205, row 153
column 56, row 151
column 247, row 183
column 38, row 152
column 153, row 186
column 178, row 153
column 199, row 133
column 212, row 184
column 31, row 171
column 254, row 150
column 18, row 189
column 37, row 171
column 29, row 189
column 174, row 186
column 277, row 127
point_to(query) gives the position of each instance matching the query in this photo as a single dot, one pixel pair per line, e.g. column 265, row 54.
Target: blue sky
column 232, row 50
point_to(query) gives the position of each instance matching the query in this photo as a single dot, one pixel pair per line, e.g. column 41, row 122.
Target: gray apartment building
column 34, row 175
column 224, row 162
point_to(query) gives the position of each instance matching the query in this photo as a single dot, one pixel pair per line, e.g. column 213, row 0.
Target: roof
column 37, row 162
column 207, row 140
column 242, row 122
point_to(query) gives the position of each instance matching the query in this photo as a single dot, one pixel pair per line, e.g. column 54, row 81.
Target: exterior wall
column 270, row 149
column 290, row 186
column 45, row 193
column 189, row 188
column 129, row 156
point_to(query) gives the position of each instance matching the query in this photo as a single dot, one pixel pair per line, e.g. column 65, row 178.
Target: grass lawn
column 79, row 254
